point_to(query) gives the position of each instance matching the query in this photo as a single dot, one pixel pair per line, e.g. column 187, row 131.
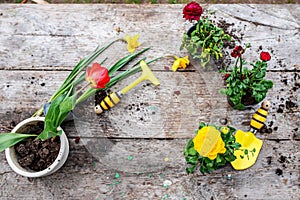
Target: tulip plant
column 67, row 97
column 204, row 39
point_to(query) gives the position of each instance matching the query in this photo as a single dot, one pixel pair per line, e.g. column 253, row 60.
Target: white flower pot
column 58, row 163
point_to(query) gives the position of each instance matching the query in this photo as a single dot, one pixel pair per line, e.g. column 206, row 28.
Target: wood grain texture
column 89, row 175
column 24, row 39
column 172, row 110
column 143, row 137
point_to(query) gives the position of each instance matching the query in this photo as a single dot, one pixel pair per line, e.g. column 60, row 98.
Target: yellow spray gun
column 249, row 141
column 114, row 98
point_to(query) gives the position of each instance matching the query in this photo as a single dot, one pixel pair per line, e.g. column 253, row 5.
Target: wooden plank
column 151, row 124
column 172, row 110
column 91, row 175
column 35, row 37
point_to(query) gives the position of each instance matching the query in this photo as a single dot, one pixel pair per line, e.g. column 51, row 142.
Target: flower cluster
column 212, row 147
column 237, row 51
column 246, row 86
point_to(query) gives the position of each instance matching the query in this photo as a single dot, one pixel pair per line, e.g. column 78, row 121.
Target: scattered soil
column 269, row 160
column 279, row 172
column 236, row 35
column 34, row 154
column 290, row 102
column 265, row 129
column 282, row 159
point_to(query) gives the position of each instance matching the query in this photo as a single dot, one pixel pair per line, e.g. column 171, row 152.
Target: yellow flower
column 132, row 42
column 225, row 129
column 209, row 143
column 180, row 63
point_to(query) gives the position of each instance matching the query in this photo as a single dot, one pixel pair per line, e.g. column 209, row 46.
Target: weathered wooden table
column 142, row 139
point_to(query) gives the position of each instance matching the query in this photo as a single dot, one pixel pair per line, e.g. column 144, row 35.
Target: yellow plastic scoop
column 249, row 142
column 146, row 75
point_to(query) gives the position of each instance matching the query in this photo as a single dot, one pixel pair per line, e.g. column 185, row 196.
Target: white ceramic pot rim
column 58, row 163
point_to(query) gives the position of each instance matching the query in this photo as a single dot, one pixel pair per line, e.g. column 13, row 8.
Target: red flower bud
column 77, row 139
column 226, row 76
column 192, row 11
column 265, row 56
column 237, row 51
column 97, row 76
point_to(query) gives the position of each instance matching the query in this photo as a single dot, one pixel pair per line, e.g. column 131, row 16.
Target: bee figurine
column 108, row 102
column 260, row 116
column 115, row 97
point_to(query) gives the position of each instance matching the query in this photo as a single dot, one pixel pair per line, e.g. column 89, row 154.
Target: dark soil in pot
column 247, row 100
column 37, row 155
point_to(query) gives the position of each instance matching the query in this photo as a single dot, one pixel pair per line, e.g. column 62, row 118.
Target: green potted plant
column 204, row 40
column 211, row 148
column 26, row 145
column 215, row 146
column 246, row 86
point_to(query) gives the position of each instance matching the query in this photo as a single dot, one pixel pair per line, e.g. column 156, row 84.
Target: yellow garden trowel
column 114, row 98
column 248, row 141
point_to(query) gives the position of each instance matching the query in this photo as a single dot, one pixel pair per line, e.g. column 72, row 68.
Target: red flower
column 192, row 11
column 97, row 76
column 265, row 56
column 226, row 76
column 237, row 51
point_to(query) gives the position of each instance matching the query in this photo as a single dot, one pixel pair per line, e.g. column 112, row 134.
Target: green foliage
column 58, row 111
column 206, row 165
column 243, row 81
column 204, row 41
column 10, row 139
column 64, row 99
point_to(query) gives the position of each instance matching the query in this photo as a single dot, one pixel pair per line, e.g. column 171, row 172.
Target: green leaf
column 9, row 139
column 123, row 61
column 192, row 159
column 54, row 117
column 218, row 159
column 46, row 134
column 223, row 91
column 64, row 109
column 201, row 125
column 191, row 169
column 192, row 151
column 68, row 104
column 53, row 106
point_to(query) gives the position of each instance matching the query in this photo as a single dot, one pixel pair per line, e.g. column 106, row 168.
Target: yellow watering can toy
column 250, row 145
column 115, row 97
